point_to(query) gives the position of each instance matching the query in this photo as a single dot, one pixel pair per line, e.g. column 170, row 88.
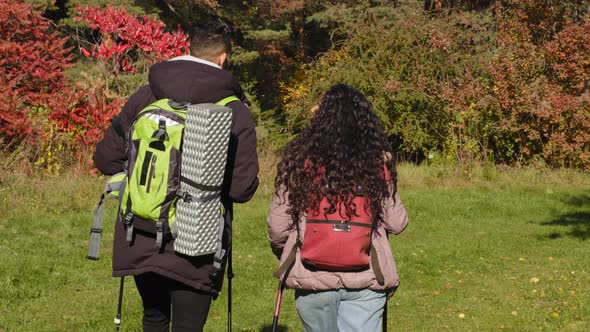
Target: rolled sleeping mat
column 198, row 227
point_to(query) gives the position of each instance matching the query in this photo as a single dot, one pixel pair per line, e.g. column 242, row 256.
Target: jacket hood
column 193, row 82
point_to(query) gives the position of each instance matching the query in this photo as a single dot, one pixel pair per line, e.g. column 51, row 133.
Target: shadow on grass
column 268, row 328
column 578, row 221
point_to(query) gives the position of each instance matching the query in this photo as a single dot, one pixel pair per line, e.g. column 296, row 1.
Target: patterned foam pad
column 198, row 225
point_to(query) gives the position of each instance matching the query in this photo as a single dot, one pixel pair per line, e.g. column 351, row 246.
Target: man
column 171, row 284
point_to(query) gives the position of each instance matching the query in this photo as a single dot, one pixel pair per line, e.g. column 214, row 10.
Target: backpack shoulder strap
column 285, row 268
column 227, row 100
column 116, row 124
column 375, row 265
column 114, row 187
column 158, row 104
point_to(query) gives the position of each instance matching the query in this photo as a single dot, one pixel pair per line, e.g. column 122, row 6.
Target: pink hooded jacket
column 283, row 237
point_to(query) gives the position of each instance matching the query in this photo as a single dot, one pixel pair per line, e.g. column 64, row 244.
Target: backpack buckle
column 159, row 235
column 127, row 218
column 185, row 196
column 160, row 133
column 178, row 104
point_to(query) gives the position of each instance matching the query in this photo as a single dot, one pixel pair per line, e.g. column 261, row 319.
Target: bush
column 41, row 115
column 32, row 59
column 505, row 84
column 541, row 88
column 419, row 74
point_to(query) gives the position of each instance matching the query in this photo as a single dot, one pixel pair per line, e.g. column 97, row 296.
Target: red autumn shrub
column 126, row 38
column 569, row 57
column 568, row 141
column 541, row 85
column 32, row 59
column 37, row 105
column 83, row 114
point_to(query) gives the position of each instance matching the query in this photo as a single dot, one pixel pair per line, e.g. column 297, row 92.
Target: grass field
column 486, row 249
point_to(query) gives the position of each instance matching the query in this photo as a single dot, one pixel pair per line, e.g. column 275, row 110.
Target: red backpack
column 332, row 243
column 335, row 243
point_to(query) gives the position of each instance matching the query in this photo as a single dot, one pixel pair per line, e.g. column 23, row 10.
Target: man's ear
column 221, row 59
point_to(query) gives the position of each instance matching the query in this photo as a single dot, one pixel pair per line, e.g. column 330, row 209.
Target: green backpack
column 148, row 187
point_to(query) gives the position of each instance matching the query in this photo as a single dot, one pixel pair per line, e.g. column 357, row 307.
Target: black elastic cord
column 198, row 185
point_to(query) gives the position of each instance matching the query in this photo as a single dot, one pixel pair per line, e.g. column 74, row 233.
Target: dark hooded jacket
column 194, row 82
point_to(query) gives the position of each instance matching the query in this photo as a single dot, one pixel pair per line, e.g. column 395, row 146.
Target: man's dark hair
column 208, row 40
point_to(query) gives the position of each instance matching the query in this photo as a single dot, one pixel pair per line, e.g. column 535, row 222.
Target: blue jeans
column 340, row 310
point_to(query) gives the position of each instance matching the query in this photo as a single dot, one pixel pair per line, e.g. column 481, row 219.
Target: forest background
column 454, row 81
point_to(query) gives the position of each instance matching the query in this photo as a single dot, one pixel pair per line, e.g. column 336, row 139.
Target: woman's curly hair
column 343, row 147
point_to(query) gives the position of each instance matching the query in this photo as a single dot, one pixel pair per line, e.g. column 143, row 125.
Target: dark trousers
column 163, row 296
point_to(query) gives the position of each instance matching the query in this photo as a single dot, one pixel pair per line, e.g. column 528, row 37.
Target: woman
column 338, row 174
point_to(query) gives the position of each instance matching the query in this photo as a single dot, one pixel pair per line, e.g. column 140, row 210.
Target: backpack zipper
column 152, row 173
column 160, row 185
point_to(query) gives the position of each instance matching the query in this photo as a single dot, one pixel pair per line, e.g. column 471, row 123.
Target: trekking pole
column 275, row 320
column 118, row 317
column 230, row 276
column 283, row 270
column 384, row 321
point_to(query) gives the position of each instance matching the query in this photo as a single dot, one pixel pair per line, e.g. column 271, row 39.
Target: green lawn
column 510, row 252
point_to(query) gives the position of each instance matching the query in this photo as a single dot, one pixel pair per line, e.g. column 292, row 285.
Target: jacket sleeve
column 279, row 223
column 239, row 92
column 241, row 176
column 395, row 215
column 110, row 153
